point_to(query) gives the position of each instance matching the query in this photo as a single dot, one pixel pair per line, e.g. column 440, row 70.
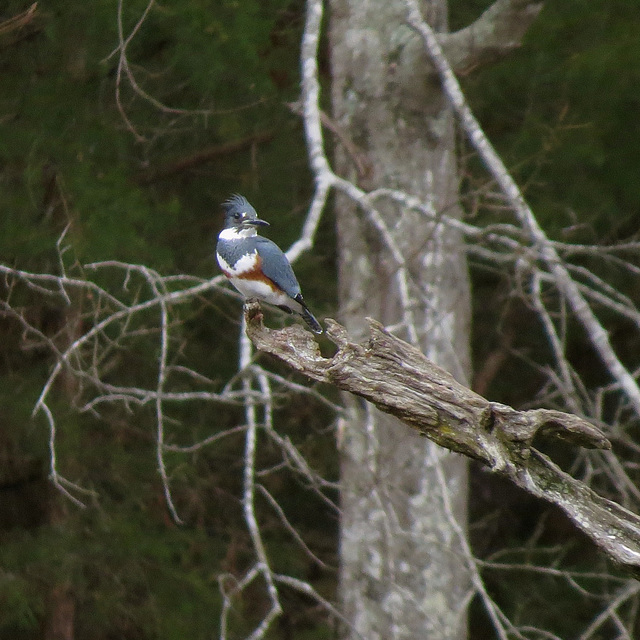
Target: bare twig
column 19, row 21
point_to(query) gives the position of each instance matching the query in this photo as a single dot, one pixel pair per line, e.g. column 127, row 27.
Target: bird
column 256, row 266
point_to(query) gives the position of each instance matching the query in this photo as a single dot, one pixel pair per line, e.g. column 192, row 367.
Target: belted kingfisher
column 256, row 266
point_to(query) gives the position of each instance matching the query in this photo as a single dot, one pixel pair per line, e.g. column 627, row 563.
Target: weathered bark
column 399, row 380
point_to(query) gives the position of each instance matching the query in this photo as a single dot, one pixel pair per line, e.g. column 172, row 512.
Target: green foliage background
column 563, row 112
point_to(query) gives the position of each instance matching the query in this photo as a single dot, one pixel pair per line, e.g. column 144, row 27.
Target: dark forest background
column 140, row 181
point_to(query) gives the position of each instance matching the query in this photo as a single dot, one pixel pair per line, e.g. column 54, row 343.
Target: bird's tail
column 309, row 318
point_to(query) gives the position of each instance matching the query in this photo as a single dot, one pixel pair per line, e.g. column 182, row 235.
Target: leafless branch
column 562, row 278
column 398, row 379
column 202, row 156
column 497, row 32
column 20, row 21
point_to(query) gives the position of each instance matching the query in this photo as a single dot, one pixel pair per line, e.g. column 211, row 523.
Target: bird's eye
column 237, row 215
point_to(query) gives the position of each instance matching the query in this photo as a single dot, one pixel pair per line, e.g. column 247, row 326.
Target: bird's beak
column 257, row 222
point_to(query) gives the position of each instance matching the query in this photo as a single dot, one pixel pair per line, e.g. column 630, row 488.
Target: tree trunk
column 61, row 614
column 403, row 572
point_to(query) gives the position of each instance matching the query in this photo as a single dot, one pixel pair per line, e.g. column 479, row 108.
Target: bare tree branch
column 20, row 21
column 399, row 380
column 498, row 31
column 494, row 34
column 565, row 283
column 201, row 157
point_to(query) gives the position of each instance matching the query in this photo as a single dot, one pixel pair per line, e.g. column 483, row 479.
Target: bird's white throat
column 237, row 233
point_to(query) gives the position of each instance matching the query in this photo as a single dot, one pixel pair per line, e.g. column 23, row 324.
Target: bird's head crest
column 238, row 212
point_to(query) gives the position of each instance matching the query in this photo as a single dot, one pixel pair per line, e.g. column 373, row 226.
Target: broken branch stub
column 399, row 380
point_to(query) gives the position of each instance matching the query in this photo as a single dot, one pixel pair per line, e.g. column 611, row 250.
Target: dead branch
column 202, row 157
column 497, row 32
column 400, row 380
column 19, row 21
column 565, row 283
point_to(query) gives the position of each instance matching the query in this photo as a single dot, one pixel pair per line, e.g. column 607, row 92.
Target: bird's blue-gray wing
column 276, row 266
